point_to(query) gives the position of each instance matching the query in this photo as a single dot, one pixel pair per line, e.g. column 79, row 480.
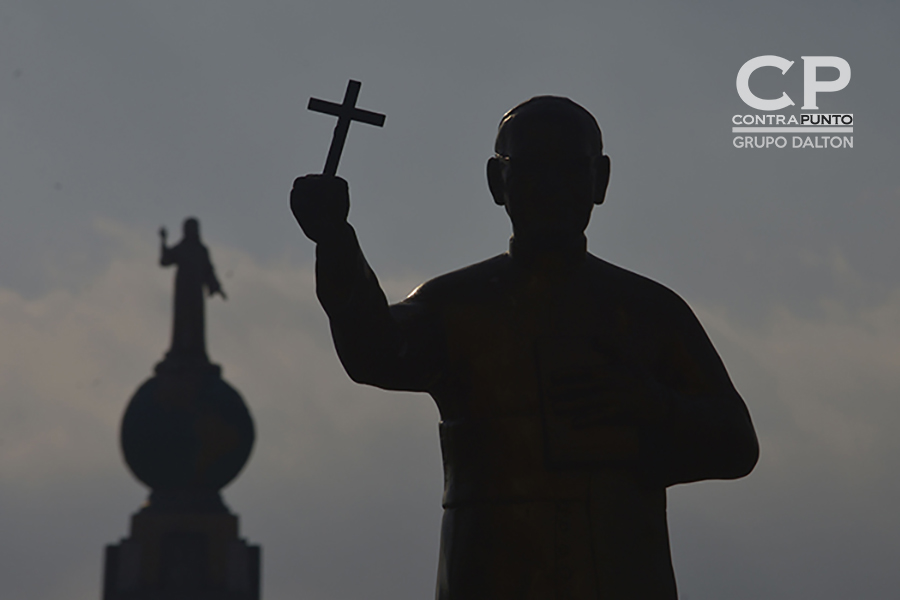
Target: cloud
column 817, row 516
column 834, row 380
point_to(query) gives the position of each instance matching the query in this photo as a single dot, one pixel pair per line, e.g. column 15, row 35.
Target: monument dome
column 187, row 431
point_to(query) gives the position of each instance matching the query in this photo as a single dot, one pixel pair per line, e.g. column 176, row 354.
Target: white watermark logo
column 767, row 130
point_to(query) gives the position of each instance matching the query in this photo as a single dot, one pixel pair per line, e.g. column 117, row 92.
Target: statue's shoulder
column 467, row 282
column 633, row 289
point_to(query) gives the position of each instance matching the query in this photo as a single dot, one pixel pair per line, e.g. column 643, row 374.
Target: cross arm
column 345, row 112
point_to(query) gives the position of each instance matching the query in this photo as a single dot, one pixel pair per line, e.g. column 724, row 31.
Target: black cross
column 345, row 113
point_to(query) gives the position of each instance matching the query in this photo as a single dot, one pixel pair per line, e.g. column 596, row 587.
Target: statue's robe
column 194, row 272
column 571, row 393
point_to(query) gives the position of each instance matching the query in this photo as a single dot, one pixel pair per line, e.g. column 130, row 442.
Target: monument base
column 183, row 547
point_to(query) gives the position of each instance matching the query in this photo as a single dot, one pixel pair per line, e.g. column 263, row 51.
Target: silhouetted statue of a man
column 195, row 271
column 571, row 392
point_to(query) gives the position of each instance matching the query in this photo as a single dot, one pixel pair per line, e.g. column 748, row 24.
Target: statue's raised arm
column 393, row 347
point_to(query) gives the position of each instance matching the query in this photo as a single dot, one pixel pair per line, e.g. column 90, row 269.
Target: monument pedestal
column 182, row 552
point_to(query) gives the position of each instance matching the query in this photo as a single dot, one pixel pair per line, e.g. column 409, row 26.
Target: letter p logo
column 811, row 85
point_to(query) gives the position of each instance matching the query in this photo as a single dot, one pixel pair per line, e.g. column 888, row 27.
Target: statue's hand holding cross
column 321, row 203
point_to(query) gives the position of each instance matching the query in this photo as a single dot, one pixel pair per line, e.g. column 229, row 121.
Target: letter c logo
column 743, row 79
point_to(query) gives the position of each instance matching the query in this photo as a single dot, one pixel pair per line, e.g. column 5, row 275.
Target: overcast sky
column 119, row 117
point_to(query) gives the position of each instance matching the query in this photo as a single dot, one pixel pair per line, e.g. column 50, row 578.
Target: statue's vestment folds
column 571, row 392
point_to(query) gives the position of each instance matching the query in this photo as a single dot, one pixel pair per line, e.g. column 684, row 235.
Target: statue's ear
column 601, row 178
column 495, row 180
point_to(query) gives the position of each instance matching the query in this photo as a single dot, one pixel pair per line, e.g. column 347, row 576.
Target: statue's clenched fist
column 320, row 204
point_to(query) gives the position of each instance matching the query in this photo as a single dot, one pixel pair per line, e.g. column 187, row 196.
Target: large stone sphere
column 187, row 430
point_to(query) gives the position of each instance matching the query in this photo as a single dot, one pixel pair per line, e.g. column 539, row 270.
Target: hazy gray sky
column 117, row 118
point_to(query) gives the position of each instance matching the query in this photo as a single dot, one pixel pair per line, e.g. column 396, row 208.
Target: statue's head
column 191, row 229
column 549, row 169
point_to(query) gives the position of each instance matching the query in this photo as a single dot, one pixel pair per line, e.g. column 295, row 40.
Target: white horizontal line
column 791, row 130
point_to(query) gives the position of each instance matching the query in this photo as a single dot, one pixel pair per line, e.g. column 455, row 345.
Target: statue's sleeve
column 707, row 432
column 395, row 347
column 209, row 274
column 169, row 255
